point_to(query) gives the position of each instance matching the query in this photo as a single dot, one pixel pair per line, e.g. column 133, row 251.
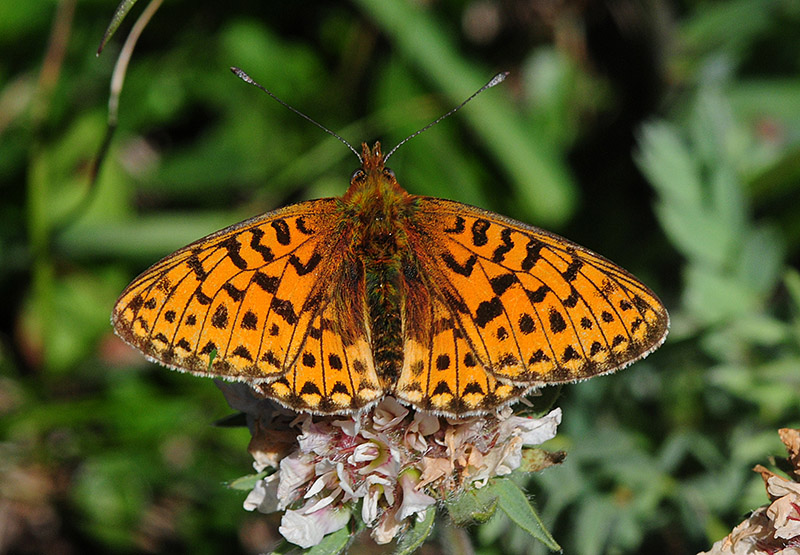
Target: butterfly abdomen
column 383, row 298
column 380, row 249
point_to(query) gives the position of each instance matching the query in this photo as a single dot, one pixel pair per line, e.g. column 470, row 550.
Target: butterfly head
column 373, row 181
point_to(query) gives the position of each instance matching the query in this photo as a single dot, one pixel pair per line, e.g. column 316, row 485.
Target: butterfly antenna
column 497, row 79
column 247, row 79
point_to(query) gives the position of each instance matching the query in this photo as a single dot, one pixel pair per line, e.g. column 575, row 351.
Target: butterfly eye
column 358, row 175
column 389, row 173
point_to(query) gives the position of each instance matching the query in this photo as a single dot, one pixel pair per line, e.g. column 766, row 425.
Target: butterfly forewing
column 247, row 303
column 535, row 308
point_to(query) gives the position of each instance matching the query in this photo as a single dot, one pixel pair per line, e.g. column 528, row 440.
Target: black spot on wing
column 488, row 311
column 502, row 282
column 307, row 267
column 196, row 266
column 302, row 227
column 473, row 387
column 526, row 324
column 233, row 246
column 557, row 323
column 334, row 361
column 235, row 294
column 464, row 269
column 249, row 320
column 267, row 283
column 255, row 244
column 310, row 388
column 572, row 270
column 532, row 253
column 479, row 229
column 458, row 226
column 201, row 297
column 507, row 244
column 208, row 348
column 441, row 388
column 539, row 295
column 284, row 309
column 220, row 318
column 241, row 351
column 570, row 354
column 136, row 303
column 340, row 387
column 281, row 231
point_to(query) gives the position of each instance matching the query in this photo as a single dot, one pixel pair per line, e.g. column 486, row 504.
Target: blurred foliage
column 663, row 134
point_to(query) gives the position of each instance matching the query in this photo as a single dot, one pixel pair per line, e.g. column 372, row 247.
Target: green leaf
column 332, row 544
column 512, row 501
column 476, row 505
column 247, row 482
column 417, row 535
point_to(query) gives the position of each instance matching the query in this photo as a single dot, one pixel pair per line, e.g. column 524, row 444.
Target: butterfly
column 328, row 305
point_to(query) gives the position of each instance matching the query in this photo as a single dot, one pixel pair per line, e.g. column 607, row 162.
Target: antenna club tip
column 499, row 78
column 242, row 75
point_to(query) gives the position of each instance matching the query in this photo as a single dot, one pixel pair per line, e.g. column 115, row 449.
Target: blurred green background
column 663, row 134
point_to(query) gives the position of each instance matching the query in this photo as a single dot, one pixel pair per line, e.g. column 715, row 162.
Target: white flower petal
column 387, row 528
column 307, row 530
column 349, row 427
column 324, row 502
column 316, row 487
column 294, row 472
column 414, row 501
column 388, row 413
column 369, row 509
column 533, row 431
column 368, row 451
column 316, row 438
column 263, row 496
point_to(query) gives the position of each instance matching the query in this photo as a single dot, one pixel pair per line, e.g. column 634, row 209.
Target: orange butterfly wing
column 253, row 302
column 530, row 307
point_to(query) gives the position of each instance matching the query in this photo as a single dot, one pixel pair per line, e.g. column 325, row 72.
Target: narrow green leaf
column 417, row 535
column 332, row 544
column 119, row 15
column 246, row 482
column 512, row 501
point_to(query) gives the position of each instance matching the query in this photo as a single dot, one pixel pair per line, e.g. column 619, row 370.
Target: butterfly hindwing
column 534, row 307
column 440, row 371
column 335, row 370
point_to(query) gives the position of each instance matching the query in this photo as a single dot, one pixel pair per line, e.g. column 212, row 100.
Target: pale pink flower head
column 773, row 529
column 387, row 466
